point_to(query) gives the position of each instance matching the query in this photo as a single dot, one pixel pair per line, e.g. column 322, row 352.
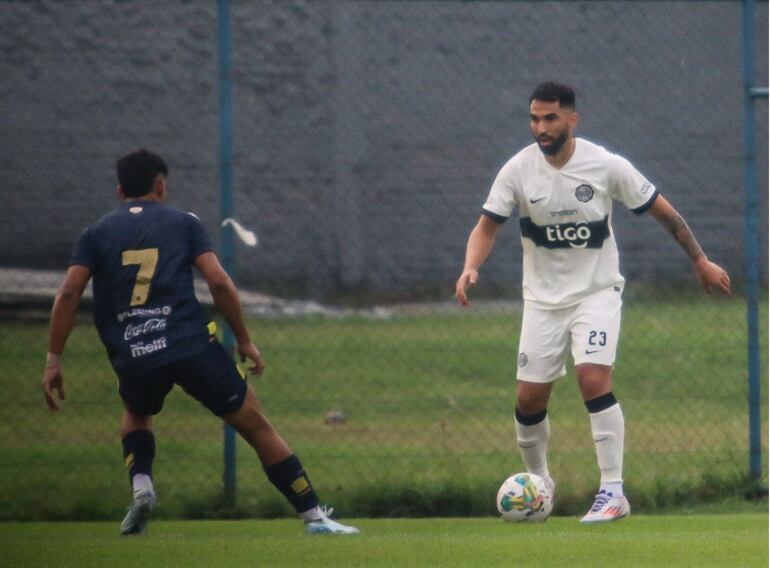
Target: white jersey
column 566, row 219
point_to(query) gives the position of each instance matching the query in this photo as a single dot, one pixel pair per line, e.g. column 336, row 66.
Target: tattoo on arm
column 676, row 225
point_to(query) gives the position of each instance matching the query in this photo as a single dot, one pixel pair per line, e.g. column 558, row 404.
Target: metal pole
column 751, row 242
column 227, row 246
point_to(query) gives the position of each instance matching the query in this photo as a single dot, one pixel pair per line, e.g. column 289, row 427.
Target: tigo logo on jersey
column 591, row 234
column 576, row 235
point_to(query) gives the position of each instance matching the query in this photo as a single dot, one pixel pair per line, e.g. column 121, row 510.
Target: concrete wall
column 367, row 134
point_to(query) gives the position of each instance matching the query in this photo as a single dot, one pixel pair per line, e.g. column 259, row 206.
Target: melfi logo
column 575, row 234
column 141, row 349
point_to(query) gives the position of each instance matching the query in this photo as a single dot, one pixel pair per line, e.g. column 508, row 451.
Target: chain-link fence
column 367, row 135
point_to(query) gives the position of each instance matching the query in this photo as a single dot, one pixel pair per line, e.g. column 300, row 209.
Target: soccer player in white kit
column 563, row 188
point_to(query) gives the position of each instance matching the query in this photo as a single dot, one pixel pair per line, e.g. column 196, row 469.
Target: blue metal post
column 227, row 246
column 751, row 241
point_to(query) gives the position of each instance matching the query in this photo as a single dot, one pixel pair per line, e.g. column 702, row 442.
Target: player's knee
column 594, row 381
column 531, row 401
column 529, row 407
column 132, row 421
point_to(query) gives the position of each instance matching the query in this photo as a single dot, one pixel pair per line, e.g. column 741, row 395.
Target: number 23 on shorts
column 597, row 338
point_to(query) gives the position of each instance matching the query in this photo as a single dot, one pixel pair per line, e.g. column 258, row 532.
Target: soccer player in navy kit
column 563, row 188
column 156, row 335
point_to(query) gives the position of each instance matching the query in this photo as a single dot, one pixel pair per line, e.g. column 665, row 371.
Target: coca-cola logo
column 149, row 326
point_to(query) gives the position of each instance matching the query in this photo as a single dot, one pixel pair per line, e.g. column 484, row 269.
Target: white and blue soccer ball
column 524, row 497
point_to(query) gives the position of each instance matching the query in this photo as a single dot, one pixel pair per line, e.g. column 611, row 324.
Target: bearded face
column 549, row 145
column 551, row 125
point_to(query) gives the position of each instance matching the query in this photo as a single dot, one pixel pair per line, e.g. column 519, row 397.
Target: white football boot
column 138, row 514
column 324, row 525
column 607, row 508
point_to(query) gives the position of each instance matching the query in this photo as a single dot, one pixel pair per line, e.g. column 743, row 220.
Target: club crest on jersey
column 584, row 193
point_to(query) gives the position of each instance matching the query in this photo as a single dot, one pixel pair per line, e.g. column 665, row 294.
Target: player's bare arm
column 65, row 308
column 480, row 244
column 709, row 274
column 228, row 303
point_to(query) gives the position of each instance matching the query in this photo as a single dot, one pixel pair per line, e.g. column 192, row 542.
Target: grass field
column 429, row 431
column 638, row 542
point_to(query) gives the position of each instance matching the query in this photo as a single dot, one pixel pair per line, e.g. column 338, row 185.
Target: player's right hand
column 468, row 278
column 712, row 275
column 53, row 381
column 251, row 352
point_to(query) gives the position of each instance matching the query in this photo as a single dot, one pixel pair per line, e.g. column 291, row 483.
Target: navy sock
column 138, row 452
column 289, row 478
column 530, row 420
column 600, row 403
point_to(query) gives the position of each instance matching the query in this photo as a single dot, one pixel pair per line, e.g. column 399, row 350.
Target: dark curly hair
column 137, row 172
column 554, row 92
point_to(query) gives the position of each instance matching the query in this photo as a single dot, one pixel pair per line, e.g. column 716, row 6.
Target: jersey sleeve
column 84, row 254
column 502, row 198
column 629, row 186
column 197, row 236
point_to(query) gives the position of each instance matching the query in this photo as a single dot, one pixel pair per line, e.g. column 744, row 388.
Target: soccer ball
column 524, row 497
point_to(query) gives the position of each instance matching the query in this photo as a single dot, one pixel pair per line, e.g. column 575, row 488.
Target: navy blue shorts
column 211, row 377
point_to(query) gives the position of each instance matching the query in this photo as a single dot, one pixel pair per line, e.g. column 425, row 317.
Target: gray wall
column 367, row 134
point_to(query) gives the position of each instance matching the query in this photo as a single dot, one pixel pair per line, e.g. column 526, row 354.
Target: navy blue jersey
column 141, row 257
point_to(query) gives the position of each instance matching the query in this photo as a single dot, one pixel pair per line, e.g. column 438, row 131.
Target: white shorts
column 590, row 328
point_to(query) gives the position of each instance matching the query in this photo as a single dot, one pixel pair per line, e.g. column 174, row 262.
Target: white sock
column 614, row 488
column 141, row 483
column 533, row 446
column 608, row 429
column 314, row 514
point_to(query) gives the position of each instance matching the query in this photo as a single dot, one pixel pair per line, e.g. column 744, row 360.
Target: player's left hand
column 53, row 381
column 251, row 352
column 711, row 274
column 468, row 278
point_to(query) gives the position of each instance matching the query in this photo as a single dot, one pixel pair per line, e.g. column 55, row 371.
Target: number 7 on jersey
column 147, row 259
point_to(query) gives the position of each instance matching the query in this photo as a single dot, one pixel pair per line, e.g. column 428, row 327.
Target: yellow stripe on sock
column 300, row 485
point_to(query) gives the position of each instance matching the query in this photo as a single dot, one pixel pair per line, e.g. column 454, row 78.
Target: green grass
column 639, row 542
column 429, row 430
